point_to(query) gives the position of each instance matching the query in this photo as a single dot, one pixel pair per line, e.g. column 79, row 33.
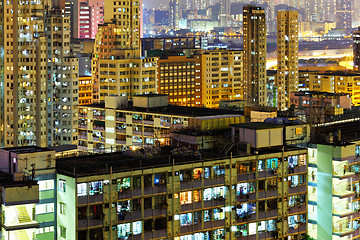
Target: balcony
column 84, row 137
column 88, row 223
column 121, row 142
column 90, row 199
column 120, row 130
column 340, row 227
column 100, row 117
column 148, row 122
column 100, row 128
column 120, row 119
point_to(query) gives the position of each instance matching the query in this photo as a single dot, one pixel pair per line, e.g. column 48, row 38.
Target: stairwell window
column 62, row 231
column 62, row 208
column 62, row 186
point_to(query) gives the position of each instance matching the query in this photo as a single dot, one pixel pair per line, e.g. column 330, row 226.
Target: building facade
column 333, row 176
column 36, row 219
column 180, row 78
column 287, row 79
column 62, row 82
column 254, row 47
column 356, row 49
column 116, row 125
column 223, row 198
column 308, row 99
column 343, row 15
column 85, row 90
column 117, row 68
column 337, row 82
column 125, row 77
column 222, row 76
column 85, row 16
column 175, row 14
column 23, row 79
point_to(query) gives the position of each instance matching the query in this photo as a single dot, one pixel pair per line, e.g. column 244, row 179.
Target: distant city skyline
column 154, row 3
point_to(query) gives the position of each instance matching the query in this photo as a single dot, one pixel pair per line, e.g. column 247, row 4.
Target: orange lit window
column 197, row 173
column 185, row 197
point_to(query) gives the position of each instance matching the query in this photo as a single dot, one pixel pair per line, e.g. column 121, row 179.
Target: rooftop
column 7, row 180
column 26, row 149
column 172, row 110
column 341, row 73
column 303, row 93
column 257, row 125
column 123, row 162
column 349, row 131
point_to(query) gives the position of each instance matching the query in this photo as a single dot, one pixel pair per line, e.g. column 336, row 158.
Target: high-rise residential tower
column 225, row 20
column 126, row 16
column 287, row 57
column 356, row 49
column 117, row 68
column 86, row 15
column 22, row 74
column 343, row 15
column 254, row 55
column 174, row 14
column 63, row 76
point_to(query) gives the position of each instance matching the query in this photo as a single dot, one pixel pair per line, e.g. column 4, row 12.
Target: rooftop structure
column 145, row 122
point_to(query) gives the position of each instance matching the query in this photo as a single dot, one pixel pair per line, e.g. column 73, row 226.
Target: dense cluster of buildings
column 325, row 18
column 277, row 180
column 126, row 137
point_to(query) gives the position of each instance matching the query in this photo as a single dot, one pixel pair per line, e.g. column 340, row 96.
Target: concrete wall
column 69, row 197
column 324, row 192
column 20, row 195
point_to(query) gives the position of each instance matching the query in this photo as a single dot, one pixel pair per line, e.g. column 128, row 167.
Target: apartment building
column 287, row 78
column 35, row 219
column 23, row 65
column 187, row 196
column 18, row 210
column 62, row 81
column 222, row 76
column 308, row 99
column 201, row 78
column 85, row 90
column 117, row 68
column 124, row 77
column 85, row 15
column 254, row 44
column 333, row 176
column 180, row 78
column 337, row 82
column 145, row 122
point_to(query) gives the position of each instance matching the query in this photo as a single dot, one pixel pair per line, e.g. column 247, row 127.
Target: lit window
column 62, row 231
column 95, row 188
column 123, row 184
column 46, row 185
column 62, row 186
column 185, row 197
column 62, row 208
column 81, row 189
column 185, row 219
